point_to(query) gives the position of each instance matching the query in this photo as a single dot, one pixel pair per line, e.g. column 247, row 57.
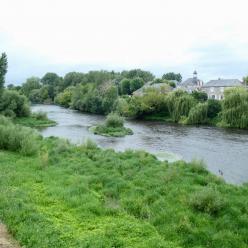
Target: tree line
column 103, row 92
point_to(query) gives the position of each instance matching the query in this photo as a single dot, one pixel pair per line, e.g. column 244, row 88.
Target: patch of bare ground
column 6, row 241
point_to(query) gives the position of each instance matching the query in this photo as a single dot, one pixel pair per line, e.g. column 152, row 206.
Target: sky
column 60, row 36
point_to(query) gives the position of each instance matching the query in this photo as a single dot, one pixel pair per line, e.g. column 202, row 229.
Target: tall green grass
column 69, row 196
column 17, row 138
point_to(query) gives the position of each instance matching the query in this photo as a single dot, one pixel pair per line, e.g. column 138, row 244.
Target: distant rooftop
column 223, row 83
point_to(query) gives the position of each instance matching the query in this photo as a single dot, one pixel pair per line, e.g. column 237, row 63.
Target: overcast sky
column 159, row 35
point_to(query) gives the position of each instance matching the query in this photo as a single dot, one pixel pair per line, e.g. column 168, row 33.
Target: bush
column 198, row 114
column 40, row 115
column 235, row 108
column 214, row 108
column 114, row 120
column 207, row 200
column 13, row 104
column 17, row 138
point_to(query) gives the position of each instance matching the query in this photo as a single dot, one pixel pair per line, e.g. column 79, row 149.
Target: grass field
column 68, row 196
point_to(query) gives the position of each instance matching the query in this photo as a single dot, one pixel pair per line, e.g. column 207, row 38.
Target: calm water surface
column 221, row 149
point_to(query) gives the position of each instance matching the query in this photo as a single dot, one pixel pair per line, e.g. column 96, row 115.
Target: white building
column 215, row 88
column 191, row 84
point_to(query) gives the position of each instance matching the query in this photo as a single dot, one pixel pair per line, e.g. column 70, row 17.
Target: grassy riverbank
column 35, row 120
column 69, row 196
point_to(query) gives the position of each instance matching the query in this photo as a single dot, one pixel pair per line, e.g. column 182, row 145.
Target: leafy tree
column 125, row 86
column 54, row 83
column 172, row 76
column 30, row 84
column 214, row 108
column 3, row 70
column 13, row 104
column 145, row 75
column 73, row 78
column 200, row 96
column 235, row 108
column 64, row 98
column 136, row 83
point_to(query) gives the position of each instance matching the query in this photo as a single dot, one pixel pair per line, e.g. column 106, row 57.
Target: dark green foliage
column 73, row 78
column 200, row 96
column 17, row 138
column 53, row 83
column 179, row 104
column 3, row 70
column 31, row 84
column 13, row 104
column 198, row 114
column 125, row 86
column 207, row 200
column 136, row 83
column 114, row 120
column 235, row 108
column 64, row 98
column 94, row 99
column 113, row 126
column 82, row 196
column 214, row 108
column 145, row 75
column 172, row 76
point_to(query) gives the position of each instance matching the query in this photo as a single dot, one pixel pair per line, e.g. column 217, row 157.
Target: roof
column 190, row 82
column 223, row 83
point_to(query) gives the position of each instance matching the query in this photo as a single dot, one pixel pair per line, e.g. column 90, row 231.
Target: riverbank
column 35, row 121
column 83, row 196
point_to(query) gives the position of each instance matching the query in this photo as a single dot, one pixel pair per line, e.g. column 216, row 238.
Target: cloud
column 163, row 35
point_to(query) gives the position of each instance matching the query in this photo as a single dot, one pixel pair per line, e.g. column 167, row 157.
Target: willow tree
column 235, row 108
column 179, row 104
column 3, row 70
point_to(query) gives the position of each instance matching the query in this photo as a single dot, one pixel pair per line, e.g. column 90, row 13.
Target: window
column 213, row 96
column 221, row 97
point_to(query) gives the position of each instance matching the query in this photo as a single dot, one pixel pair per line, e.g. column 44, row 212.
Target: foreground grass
column 33, row 121
column 70, row 196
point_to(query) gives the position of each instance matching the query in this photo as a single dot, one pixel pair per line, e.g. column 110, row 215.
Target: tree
column 136, row 83
column 30, row 84
column 172, row 76
column 200, row 96
column 3, row 70
column 54, row 82
column 125, row 86
column 145, row 75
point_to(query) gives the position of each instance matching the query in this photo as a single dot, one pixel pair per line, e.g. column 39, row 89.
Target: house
column 191, row 84
column 215, row 88
column 160, row 87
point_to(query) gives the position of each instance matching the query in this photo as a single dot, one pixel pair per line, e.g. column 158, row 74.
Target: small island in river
column 112, row 127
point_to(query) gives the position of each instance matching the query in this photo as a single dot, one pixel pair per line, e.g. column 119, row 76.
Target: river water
column 221, row 149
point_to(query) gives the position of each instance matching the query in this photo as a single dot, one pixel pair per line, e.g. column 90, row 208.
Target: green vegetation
column 172, row 76
column 113, row 126
column 3, row 71
column 17, row 138
column 38, row 119
column 13, row 104
column 235, row 108
column 83, row 196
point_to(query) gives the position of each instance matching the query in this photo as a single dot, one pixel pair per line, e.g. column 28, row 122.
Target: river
column 221, row 149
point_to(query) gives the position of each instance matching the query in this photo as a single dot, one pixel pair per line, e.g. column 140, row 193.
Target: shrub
column 198, row 114
column 114, row 120
column 40, row 115
column 235, row 108
column 17, row 138
column 214, row 108
column 13, row 104
column 207, row 200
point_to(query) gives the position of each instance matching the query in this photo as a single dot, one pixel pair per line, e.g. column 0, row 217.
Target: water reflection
column 221, row 149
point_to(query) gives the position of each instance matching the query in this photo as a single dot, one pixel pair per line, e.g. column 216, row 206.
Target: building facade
column 215, row 88
column 191, row 84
